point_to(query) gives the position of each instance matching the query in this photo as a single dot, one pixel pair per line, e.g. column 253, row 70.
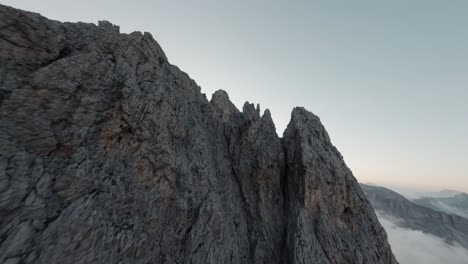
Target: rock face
column 110, row 154
column 451, row 228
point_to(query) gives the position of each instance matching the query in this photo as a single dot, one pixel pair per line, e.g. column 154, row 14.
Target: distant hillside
column 451, row 228
column 457, row 204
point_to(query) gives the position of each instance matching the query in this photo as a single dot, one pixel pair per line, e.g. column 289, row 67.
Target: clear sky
column 389, row 79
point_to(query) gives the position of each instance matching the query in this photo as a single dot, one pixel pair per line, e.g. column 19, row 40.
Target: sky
column 389, row 79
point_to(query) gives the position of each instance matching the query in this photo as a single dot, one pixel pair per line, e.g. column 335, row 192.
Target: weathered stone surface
column 328, row 216
column 110, row 154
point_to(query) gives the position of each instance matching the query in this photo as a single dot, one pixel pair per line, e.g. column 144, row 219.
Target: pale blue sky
column 389, row 79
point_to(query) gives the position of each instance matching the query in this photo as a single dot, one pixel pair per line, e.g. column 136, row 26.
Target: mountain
column 452, row 228
column 110, row 154
column 456, row 204
column 443, row 193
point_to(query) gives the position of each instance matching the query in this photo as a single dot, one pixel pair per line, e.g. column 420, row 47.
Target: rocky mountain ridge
column 110, row 154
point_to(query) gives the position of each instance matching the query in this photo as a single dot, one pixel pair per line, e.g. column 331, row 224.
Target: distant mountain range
column 425, row 214
column 441, row 194
column 456, row 204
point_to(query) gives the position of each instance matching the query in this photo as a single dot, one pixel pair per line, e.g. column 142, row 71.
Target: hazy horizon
column 388, row 80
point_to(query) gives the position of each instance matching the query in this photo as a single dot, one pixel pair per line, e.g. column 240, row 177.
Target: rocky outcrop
column 110, row 154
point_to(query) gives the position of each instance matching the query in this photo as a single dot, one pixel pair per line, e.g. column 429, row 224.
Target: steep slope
column 456, row 204
column 110, row 154
column 451, row 228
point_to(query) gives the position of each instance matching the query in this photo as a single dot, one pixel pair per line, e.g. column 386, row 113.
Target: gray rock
column 328, row 216
column 110, row 154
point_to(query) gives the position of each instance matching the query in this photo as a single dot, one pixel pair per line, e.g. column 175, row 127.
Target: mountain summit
column 110, row 154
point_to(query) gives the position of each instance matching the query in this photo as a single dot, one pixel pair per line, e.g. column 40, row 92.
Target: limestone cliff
column 110, row 154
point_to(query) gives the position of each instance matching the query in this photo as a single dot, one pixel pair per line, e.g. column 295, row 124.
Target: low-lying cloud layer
column 415, row 247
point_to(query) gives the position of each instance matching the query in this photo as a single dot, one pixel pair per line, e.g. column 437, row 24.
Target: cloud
column 415, row 247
